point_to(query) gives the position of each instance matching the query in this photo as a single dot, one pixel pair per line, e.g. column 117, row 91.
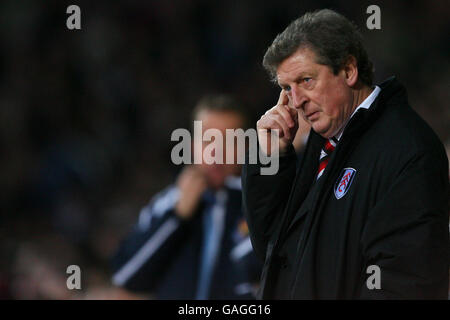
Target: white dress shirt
column 365, row 104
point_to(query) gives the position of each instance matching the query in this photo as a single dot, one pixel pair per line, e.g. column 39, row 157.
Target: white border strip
column 147, row 250
column 242, row 249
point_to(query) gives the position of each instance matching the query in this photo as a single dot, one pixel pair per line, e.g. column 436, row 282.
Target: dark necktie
column 210, row 247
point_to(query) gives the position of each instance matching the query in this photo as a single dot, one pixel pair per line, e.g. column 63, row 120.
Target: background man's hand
column 282, row 117
column 191, row 183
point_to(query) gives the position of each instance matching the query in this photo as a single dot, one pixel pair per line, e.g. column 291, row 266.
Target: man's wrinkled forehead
column 301, row 63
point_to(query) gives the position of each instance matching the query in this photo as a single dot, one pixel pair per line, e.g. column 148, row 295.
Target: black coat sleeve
column 145, row 253
column 264, row 199
column 406, row 234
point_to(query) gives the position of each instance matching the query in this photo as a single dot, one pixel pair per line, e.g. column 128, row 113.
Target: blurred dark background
column 86, row 115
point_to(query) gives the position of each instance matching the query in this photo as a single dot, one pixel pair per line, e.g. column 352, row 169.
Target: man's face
column 324, row 99
column 216, row 173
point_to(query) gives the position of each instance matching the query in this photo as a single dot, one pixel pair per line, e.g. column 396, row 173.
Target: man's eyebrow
column 304, row 74
column 281, row 84
column 301, row 75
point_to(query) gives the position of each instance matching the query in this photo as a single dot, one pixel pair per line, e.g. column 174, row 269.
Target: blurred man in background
column 191, row 241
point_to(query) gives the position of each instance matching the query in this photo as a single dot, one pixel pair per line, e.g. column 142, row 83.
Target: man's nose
column 298, row 97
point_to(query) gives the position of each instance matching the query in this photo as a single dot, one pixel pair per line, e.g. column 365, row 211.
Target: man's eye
column 307, row 79
column 287, row 89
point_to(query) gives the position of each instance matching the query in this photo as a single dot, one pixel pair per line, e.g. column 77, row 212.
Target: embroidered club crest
column 344, row 181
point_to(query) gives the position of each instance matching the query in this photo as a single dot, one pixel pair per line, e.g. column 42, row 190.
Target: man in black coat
column 365, row 216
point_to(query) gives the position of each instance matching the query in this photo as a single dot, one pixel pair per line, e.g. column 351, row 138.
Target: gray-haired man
column 366, row 213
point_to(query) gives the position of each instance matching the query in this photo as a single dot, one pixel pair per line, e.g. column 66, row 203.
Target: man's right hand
column 191, row 183
column 282, row 117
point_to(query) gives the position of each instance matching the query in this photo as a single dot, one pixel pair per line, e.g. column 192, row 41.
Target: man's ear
column 351, row 71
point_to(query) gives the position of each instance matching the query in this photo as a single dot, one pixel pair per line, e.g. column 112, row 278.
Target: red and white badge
column 343, row 182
